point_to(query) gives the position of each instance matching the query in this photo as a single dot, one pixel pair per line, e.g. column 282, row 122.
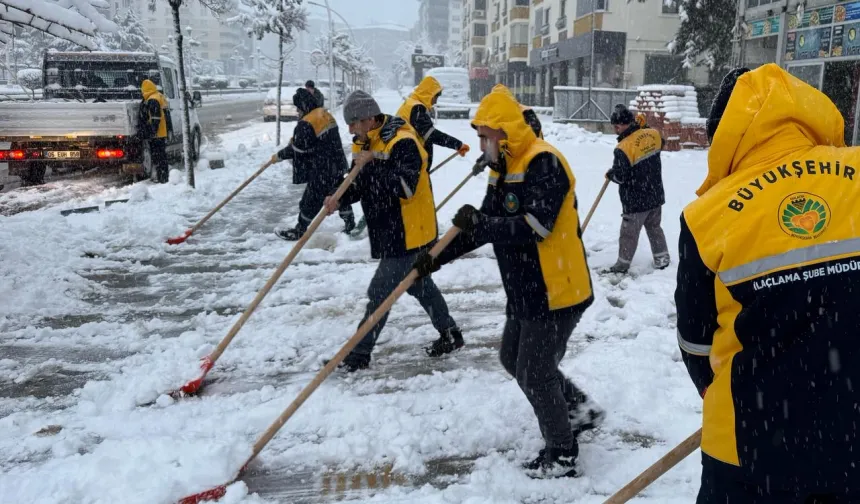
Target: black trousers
column 726, row 484
column 312, row 201
column 158, row 151
column 531, row 351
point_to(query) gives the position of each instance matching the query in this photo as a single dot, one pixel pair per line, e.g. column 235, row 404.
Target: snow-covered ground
column 99, row 318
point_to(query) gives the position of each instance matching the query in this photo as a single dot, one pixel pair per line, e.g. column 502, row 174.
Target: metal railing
column 577, row 104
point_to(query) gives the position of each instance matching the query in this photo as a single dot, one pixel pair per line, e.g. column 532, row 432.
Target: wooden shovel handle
column 329, row 368
column 321, row 215
column 658, row 469
column 594, row 206
column 443, row 163
column 231, row 196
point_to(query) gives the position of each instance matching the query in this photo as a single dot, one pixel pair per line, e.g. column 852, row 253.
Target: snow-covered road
column 98, row 317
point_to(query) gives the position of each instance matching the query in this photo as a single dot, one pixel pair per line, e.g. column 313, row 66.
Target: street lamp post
column 331, row 47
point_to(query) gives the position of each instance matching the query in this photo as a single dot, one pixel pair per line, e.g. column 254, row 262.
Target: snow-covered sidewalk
column 99, row 317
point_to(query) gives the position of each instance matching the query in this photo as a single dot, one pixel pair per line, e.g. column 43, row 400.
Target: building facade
column 629, row 41
column 815, row 40
column 434, row 21
column 509, row 47
column 475, row 34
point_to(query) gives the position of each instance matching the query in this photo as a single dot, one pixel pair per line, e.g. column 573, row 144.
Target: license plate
column 63, row 154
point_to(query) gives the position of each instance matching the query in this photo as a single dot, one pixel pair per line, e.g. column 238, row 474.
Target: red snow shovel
column 658, row 469
column 207, row 362
column 405, row 284
column 184, row 236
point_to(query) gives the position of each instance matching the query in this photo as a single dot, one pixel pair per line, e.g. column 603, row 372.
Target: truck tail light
column 16, row 154
column 110, row 153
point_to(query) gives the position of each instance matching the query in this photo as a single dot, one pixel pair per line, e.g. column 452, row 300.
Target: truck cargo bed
column 62, row 119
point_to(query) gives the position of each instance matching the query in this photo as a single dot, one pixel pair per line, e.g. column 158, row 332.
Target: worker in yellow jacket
column 768, row 294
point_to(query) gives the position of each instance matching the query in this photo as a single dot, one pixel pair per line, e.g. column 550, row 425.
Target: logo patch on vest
column 512, row 203
column 804, row 215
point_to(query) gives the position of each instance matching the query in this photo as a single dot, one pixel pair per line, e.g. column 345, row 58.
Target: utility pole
column 331, row 83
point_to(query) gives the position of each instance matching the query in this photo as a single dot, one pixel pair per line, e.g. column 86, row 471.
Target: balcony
column 520, row 13
column 495, row 27
column 536, row 43
column 561, row 22
column 544, row 30
column 479, row 41
column 520, row 51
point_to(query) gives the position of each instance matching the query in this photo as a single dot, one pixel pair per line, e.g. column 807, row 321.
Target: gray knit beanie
column 359, row 105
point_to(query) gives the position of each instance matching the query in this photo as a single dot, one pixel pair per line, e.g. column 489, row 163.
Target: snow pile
column 676, row 103
column 156, row 309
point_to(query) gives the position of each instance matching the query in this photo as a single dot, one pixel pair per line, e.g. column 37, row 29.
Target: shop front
column 822, row 48
column 568, row 62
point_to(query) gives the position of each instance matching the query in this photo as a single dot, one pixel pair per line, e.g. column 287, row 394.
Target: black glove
column 467, row 218
column 479, row 166
column 426, row 264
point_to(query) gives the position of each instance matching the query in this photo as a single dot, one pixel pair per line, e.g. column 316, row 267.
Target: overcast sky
column 365, row 12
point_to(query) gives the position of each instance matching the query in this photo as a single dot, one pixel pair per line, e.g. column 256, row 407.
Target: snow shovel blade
column 179, row 239
column 209, row 495
column 194, row 385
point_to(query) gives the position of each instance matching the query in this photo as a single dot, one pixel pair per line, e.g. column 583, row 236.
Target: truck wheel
column 34, row 176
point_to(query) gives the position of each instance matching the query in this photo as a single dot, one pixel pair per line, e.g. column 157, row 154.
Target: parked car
column 455, row 91
column 288, row 110
column 88, row 116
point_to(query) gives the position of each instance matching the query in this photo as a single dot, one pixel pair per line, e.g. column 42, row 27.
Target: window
column 481, row 5
column 519, row 34
column 546, row 16
column 480, row 30
column 455, row 18
column 455, row 31
column 563, row 7
column 505, row 7
column 521, row 3
column 539, row 17
column 497, row 12
column 169, row 88
column 601, row 5
column 669, row 6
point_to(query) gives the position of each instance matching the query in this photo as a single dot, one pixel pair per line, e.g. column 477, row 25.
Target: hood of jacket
column 426, row 90
column 305, row 101
column 147, row 89
column 500, row 110
column 502, row 89
column 770, row 115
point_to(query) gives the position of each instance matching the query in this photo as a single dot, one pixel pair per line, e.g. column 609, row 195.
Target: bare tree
column 279, row 17
column 217, row 7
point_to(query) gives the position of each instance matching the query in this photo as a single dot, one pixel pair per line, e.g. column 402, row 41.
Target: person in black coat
column 638, row 172
column 311, row 87
column 318, row 161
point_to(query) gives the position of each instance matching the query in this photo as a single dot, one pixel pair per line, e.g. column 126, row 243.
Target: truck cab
column 88, row 116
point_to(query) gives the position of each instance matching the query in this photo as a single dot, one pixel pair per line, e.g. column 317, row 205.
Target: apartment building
column 455, row 19
column 509, row 47
column 434, row 21
column 628, row 39
column 475, row 31
column 815, row 40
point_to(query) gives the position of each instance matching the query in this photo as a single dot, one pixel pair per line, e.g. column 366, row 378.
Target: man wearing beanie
column 638, row 172
column 767, row 296
column 393, row 187
column 416, row 111
column 318, row 161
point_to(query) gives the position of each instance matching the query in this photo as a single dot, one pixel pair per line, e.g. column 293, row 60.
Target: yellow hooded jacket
column 768, row 294
column 150, row 92
column 532, row 218
column 423, row 94
column 529, row 115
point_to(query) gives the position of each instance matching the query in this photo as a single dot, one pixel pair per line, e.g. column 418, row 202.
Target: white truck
column 88, row 116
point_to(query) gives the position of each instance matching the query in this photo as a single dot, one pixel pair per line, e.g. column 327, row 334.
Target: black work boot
column 554, row 463
column 290, row 234
column 448, row 341
column 585, row 416
column 353, row 362
column 348, row 223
